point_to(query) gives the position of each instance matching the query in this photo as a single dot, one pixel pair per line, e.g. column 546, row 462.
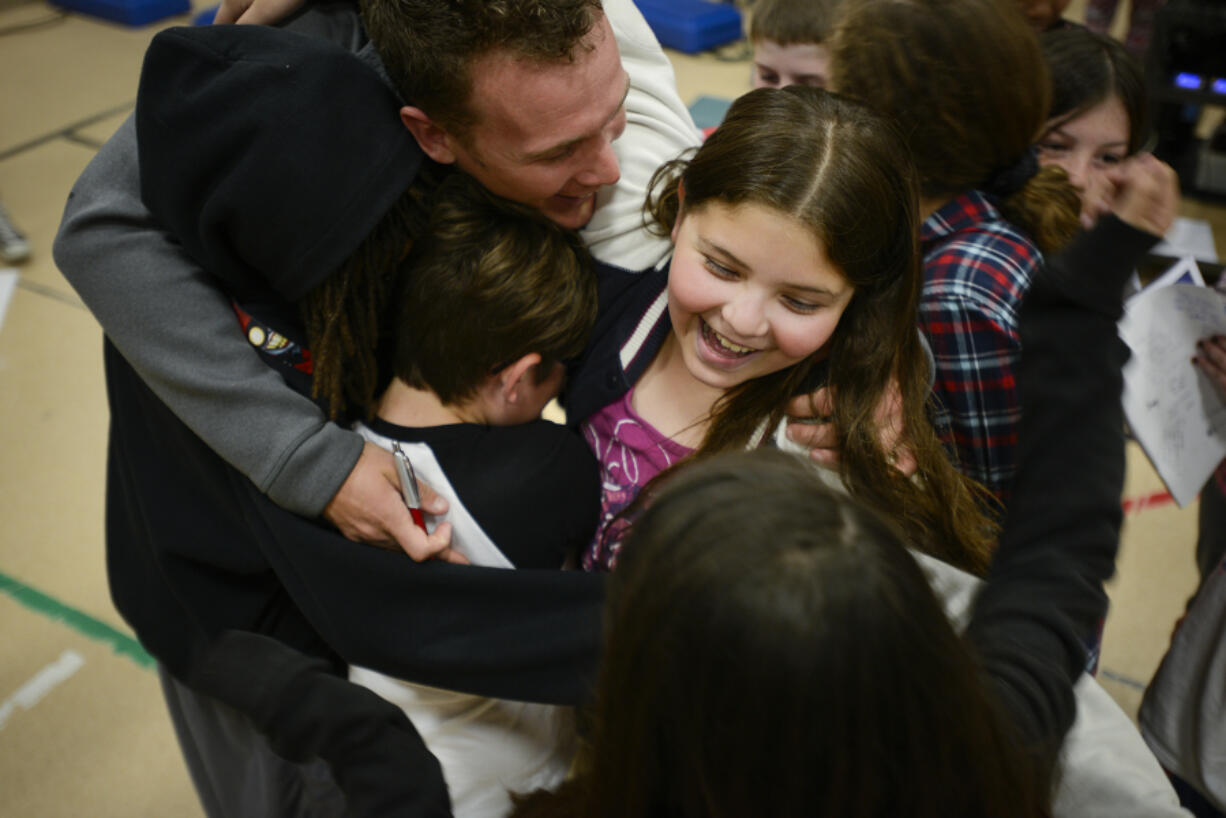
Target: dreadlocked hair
column 345, row 315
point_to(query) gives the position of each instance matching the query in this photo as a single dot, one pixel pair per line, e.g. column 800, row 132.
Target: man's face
column 544, row 131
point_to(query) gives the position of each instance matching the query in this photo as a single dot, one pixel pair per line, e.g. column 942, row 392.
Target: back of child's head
column 792, row 22
column 1087, row 69
column 842, row 171
column 491, row 282
column 966, row 83
column 772, row 649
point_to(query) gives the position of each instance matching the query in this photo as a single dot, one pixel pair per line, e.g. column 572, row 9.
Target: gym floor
column 82, row 725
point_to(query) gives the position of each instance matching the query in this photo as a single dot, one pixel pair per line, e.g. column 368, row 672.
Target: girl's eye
column 717, row 269
column 1052, row 147
column 1110, row 158
column 800, row 305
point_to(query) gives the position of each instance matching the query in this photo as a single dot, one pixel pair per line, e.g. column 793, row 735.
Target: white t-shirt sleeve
column 658, row 128
column 1106, row 770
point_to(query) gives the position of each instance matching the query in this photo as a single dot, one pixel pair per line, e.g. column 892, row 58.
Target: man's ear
column 511, row 380
column 435, row 142
column 680, row 211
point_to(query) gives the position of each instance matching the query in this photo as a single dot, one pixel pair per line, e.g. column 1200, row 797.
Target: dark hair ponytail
column 1046, row 208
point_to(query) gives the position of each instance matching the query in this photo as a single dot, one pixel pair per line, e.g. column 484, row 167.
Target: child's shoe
column 14, row 247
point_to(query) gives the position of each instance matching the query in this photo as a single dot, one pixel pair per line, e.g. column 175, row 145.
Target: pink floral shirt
column 631, row 452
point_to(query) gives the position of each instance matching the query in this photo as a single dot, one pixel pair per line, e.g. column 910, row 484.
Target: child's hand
column 1096, row 201
column 814, row 430
column 257, row 12
column 1146, row 193
column 1211, row 359
column 369, row 508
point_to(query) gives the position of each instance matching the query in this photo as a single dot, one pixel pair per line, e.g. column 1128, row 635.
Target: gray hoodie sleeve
column 177, row 329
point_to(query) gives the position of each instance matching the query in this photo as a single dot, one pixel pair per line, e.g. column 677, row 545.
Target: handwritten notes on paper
column 1176, row 412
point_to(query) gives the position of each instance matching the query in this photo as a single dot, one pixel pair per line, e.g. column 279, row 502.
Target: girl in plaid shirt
column 966, row 82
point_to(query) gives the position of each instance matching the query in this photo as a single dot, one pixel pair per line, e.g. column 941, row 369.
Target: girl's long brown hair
column 966, row 84
column 843, row 172
column 771, row 649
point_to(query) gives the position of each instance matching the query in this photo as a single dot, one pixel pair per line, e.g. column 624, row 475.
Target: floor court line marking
column 79, row 621
column 1127, row 681
column 1135, row 505
column 59, row 133
column 46, row 680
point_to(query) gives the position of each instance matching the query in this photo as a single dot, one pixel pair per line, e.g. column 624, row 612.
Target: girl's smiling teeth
column 721, row 344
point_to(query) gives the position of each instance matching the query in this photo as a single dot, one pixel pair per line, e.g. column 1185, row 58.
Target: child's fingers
column 815, row 406
column 1147, row 194
column 1211, row 359
column 820, row 439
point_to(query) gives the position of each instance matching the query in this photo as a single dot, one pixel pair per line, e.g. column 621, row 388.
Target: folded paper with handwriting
column 1176, row 413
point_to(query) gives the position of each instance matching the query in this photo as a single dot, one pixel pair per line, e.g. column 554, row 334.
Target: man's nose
column 602, row 169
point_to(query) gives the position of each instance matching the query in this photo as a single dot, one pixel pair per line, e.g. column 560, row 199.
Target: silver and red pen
column 408, row 485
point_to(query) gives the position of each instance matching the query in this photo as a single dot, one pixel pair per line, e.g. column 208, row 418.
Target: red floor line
column 1134, row 505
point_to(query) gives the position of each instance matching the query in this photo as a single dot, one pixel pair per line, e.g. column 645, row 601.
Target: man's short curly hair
column 429, row 46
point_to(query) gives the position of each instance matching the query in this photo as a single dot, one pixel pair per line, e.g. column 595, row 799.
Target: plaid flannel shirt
column 977, row 267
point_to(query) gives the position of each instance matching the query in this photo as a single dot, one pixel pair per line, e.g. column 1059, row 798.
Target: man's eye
column 559, row 155
column 769, row 78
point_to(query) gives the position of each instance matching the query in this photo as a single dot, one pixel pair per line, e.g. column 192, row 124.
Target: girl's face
column 1088, row 146
column 777, row 66
column 750, row 291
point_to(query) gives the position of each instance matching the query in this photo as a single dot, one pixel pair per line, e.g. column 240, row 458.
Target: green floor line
column 82, row 623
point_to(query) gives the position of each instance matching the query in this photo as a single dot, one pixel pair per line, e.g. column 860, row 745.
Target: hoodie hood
column 269, row 155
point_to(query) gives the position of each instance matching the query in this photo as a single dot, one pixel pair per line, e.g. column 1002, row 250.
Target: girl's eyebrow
column 710, row 247
column 805, row 288
column 1059, row 131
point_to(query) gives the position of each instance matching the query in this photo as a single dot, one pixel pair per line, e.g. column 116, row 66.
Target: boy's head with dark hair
column 490, row 302
column 788, row 39
column 524, row 95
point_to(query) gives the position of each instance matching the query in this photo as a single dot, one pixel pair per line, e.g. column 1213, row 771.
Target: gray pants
column 235, row 771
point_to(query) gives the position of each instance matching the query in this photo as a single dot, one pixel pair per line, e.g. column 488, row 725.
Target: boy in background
column 787, row 38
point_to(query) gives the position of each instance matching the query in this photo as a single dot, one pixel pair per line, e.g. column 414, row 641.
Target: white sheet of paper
column 1188, row 237
column 1175, row 412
